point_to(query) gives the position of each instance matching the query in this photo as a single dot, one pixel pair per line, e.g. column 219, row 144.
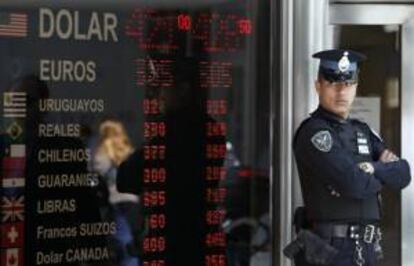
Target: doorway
column 380, row 81
column 385, row 33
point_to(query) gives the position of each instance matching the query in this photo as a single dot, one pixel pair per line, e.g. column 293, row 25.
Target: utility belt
column 367, row 233
column 315, row 242
column 313, row 239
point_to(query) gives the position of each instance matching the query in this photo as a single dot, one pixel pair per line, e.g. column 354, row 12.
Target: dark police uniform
column 341, row 174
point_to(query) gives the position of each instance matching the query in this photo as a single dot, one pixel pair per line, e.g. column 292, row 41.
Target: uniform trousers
column 346, row 254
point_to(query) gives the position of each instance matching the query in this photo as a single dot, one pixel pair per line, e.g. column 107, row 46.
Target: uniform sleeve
column 335, row 167
column 393, row 174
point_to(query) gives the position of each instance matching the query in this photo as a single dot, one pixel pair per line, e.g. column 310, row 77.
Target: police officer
column 343, row 166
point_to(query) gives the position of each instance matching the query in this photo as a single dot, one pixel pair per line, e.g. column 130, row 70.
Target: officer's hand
column 388, row 156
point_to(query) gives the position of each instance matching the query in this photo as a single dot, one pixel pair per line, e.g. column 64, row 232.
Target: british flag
column 12, row 209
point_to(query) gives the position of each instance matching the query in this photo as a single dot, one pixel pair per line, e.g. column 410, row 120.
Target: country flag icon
column 12, row 209
column 12, row 182
column 13, row 163
column 14, row 131
column 14, row 104
column 11, row 257
column 13, row 173
column 11, row 235
column 16, row 151
column 13, row 24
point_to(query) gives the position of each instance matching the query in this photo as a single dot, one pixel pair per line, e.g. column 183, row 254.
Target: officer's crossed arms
column 389, row 169
column 340, row 164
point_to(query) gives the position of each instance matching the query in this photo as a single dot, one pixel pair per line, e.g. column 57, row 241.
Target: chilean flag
column 14, row 163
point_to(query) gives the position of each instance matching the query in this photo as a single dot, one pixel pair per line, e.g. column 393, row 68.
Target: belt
column 367, row 233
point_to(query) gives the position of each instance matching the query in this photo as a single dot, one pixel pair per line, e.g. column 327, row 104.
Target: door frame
column 403, row 16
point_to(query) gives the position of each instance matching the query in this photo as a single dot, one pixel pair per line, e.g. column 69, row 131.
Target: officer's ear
column 317, row 85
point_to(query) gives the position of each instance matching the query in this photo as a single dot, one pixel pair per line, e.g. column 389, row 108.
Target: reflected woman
column 114, row 146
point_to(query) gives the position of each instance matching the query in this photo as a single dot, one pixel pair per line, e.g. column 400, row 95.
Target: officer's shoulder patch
column 322, row 140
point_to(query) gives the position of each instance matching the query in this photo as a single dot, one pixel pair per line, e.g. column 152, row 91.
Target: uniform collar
column 322, row 112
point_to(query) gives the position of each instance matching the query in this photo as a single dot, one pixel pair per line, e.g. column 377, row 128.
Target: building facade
column 159, row 132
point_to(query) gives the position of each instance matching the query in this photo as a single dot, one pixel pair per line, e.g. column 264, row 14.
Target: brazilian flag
column 13, row 131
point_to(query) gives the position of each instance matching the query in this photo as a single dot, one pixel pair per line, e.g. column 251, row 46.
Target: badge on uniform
column 322, row 141
column 343, row 64
column 362, row 142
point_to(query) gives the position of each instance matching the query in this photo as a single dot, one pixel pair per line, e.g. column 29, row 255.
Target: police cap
column 338, row 65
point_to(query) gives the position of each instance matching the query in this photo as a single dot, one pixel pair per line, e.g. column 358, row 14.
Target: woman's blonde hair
column 114, row 141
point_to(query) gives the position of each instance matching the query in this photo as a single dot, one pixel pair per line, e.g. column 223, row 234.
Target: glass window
column 135, row 132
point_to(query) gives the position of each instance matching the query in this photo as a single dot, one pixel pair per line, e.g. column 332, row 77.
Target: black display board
column 170, row 81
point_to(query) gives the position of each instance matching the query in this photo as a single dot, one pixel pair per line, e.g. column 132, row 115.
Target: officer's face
column 336, row 97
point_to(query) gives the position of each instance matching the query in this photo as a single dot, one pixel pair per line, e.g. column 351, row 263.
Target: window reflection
column 145, row 136
column 122, row 209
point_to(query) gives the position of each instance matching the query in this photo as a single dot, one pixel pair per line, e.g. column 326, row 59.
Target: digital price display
column 211, row 31
column 149, row 191
column 185, row 131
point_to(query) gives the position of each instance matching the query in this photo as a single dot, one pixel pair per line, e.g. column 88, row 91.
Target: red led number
column 155, row 175
column 216, row 151
column 216, row 195
column 216, row 239
column 215, row 217
column 154, row 244
column 214, row 173
column 152, row 30
column 216, row 107
column 215, row 129
column 154, row 152
column 157, row 221
column 215, row 260
column 154, row 129
column 245, row 26
column 154, row 263
column 154, row 73
column 154, row 198
column 184, row 22
column 214, row 74
column 151, row 106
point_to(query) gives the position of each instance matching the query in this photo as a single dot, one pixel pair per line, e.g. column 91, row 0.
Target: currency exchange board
column 126, row 127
